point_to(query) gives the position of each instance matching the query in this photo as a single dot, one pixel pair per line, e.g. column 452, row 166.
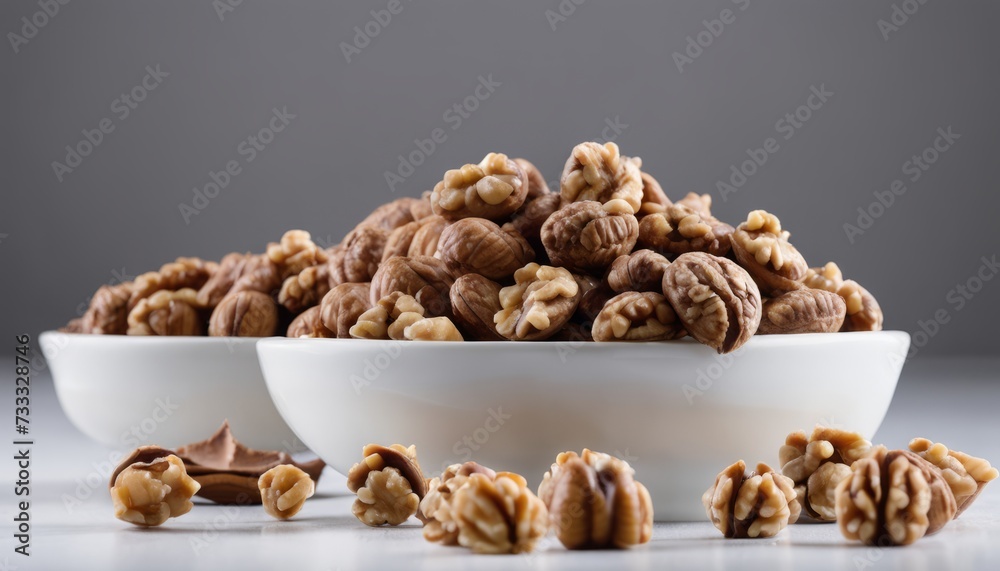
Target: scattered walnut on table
column 108, row 310
column 541, row 301
column 426, row 279
column 641, row 270
column 493, row 189
column 244, row 314
column 149, row 493
column 435, row 509
column 763, row 249
column 596, row 172
column 309, row 323
column 965, row 475
column 343, row 305
column 594, row 502
column 284, row 489
column 182, row 273
column 653, row 198
column 498, row 515
column 478, row 246
column 863, row 312
column 893, row 497
column 716, row 300
column 389, row 484
column 305, row 289
column 679, row 229
column 474, row 301
column 803, row 310
column 587, row 236
column 637, row 316
column 758, row 504
column 817, row 464
column 167, row 312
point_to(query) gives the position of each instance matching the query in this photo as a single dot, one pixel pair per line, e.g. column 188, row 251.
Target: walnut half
column 284, row 489
column 149, row 493
column 637, row 316
column 435, row 509
column 758, row 504
column 817, row 464
column 588, row 236
column 389, row 484
column 540, row 302
column 966, row 475
column 803, row 310
column 499, row 515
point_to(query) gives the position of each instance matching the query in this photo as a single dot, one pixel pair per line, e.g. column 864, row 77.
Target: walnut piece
column 392, row 215
column 260, row 274
column 244, row 314
column 149, row 493
column 180, row 274
column 542, row 300
column 389, row 318
column 474, row 301
column 536, row 180
column 305, row 289
column 108, row 310
column 763, row 249
column 641, row 270
column 817, row 464
column 284, row 489
column 529, row 219
column 653, row 198
column 966, row 475
column 828, row 278
column 680, row 229
column 893, row 498
column 230, row 269
column 637, row 316
column 432, row 329
column 599, row 172
column 758, row 504
column 425, row 240
column 493, row 189
column 309, row 323
column 498, row 515
column 389, row 484
column 167, row 312
column 594, row 502
column 294, row 253
column 587, row 236
column 399, row 240
column 594, row 293
column 700, row 203
column 716, row 300
column 343, row 305
column 803, row 310
column 863, row 312
column 478, row 246
column 360, row 255
column 426, row 279
column 435, row 509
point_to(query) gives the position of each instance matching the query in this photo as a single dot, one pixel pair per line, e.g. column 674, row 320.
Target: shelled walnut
column 474, row 301
column 536, row 181
column 587, row 236
column 863, row 312
column 305, row 289
column 359, row 256
column 167, row 312
column 637, row 316
column 284, row 489
column 309, row 323
column 700, row 203
column 803, row 310
column 108, row 310
column 425, row 240
column 294, row 253
column 529, row 219
column 541, row 301
column 392, row 215
column 399, row 240
column 762, row 247
column 478, row 246
column 498, row 515
column 828, row 278
column 343, row 305
column 716, row 300
column 426, row 279
column 596, row 172
column 388, row 318
column 594, row 502
column 259, row 274
column 653, row 198
column 389, row 484
column 965, row 475
column 440, row 525
column 817, row 464
column 641, row 270
column 679, row 229
column 148, row 493
column 230, row 269
column 182, row 273
column 244, row 314
column 432, row 329
column 493, row 189
column 893, row 497
column 758, row 504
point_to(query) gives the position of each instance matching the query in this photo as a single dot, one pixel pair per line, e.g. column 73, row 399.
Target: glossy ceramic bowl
column 678, row 412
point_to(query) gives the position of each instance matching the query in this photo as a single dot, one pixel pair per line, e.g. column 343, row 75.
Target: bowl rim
column 149, row 339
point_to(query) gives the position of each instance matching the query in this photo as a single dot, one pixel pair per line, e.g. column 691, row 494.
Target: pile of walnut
column 590, row 501
column 878, row 496
column 492, row 254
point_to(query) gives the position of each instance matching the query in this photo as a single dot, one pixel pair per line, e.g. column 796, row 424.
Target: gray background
column 119, row 209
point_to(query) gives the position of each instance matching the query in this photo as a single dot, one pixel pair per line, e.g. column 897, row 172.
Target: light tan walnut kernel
column 540, row 302
column 679, row 229
column 426, row 279
column 653, row 198
column 803, row 310
column 284, row 489
column 716, row 300
column 309, row 323
column 966, row 475
column 474, row 301
column 478, row 246
column 817, row 464
column 493, row 189
column 595, row 502
column 498, row 515
column 180, row 274
column 588, row 236
column 700, row 203
column 763, row 249
column 641, row 270
column 893, row 497
column 637, row 316
column 389, row 318
column 425, row 240
column 758, row 504
column 167, row 312
column 863, row 312
column 108, row 310
column 432, row 329
column 244, row 314
column 599, row 172
column 536, row 180
column 828, row 278
column 294, row 253
column 389, row 484
column 305, row 289
column 149, row 493
column 343, row 305
column 435, row 509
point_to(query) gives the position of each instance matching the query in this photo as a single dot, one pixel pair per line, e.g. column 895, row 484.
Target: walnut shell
column 594, row 502
column 758, row 504
column 863, row 312
column 716, row 300
column 536, row 181
column 540, row 302
column 762, row 248
column 167, row 312
column 893, row 498
column 587, row 236
column 309, row 323
column 600, row 173
column 392, row 215
column 108, row 310
column 803, row 310
column 817, row 464
column 440, row 525
column 679, row 229
column 343, row 305
column 389, row 484
column 653, row 198
column 637, row 316
column 474, row 301
column 641, row 270
column 305, row 289
column 180, row 274
column 361, row 254
column 498, row 515
column 426, row 279
column 244, row 314
column 478, row 246
column 965, row 475
column 494, row 189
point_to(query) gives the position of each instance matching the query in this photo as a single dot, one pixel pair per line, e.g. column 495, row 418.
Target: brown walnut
column 679, row 229
column 966, row 475
column 309, row 323
column 600, row 173
column 426, row 279
column 817, row 464
column 167, row 312
column 637, row 316
column 343, row 305
column 863, row 312
column 587, row 236
column 803, row 310
column 494, row 189
column 540, row 302
column 244, row 314
column 763, row 249
column 108, row 310
column 389, row 484
column 498, row 515
column 474, row 301
column 478, row 246
column 758, row 504
column 440, row 525
column 641, row 270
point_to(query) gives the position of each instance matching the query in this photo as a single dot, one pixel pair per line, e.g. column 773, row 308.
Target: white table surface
column 951, row 400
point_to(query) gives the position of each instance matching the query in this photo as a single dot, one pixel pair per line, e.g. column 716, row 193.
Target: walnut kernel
column 435, row 509
column 637, row 316
column 478, row 246
column 149, row 493
column 588, row 236
column 817, row 464
column 542, row 300
column 966, row 475
column 758, row 504
column 284, row 489
column 389, row 484
column 762, row 247
column 803, row 310
column 166, row 312
column 498, row 515
column 599, row 172
column 493, row 189
column 244, row 314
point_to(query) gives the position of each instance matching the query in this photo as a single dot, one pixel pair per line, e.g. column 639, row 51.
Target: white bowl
column 124, row 391
column 676, row 411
